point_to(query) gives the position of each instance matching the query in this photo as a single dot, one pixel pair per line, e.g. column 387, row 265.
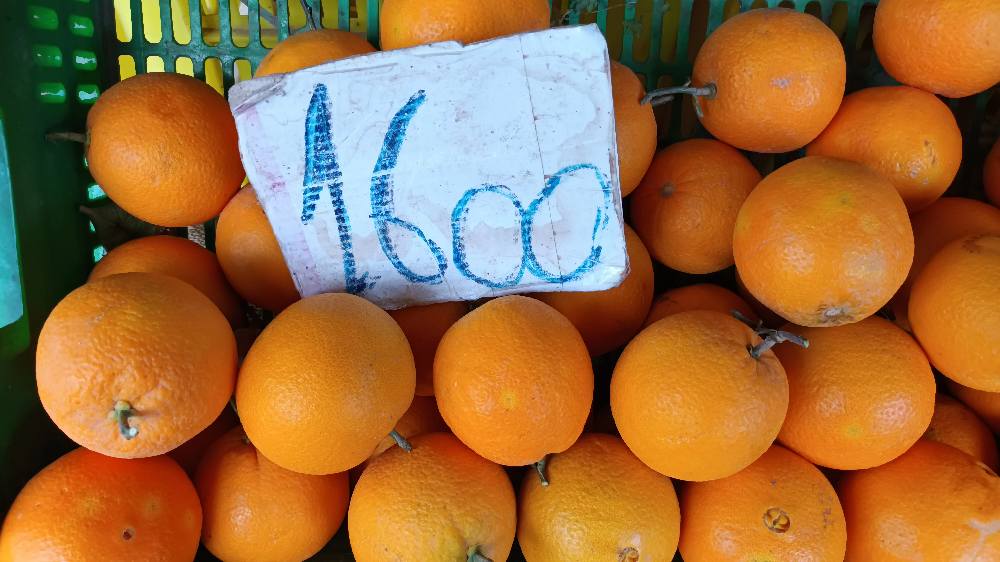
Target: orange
column 406, row 23
column 991, row 174
column 190, row 453
column 781, row 507
column 635, row 127
column 311, row 48
column 513, row 380
column 954, row 424
column 256, row 510
column 985, row 404
column 692, row 402
column 163, row 147
column 769, row 317
column 135, row 364
column 424, row 326
column 439, row 501
column 422, row 417
column 601, row 503
column 944, row 220
column 823, row 242
column 907, row 135
column 861, row 395
column 932, row 503
column 89, row 507
column 325, row 381
column 778, row 77
column 947, row 47
column 955, row 311
column 177, row 257
column 250, row 255
column 686, row 206
column 703, row 296
column 608, row 319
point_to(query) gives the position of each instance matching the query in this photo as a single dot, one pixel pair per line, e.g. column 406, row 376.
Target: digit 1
column 322, row 170
column 382, row 196
column 458, row 219
column 600, row 221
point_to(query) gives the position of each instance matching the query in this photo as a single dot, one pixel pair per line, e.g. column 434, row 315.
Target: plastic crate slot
column 863, row 31
column 815, row 9
column 42, row 17
column 47, row 56
column 84, row 59
column 697, row 28
column 670, row 25
column 239, row 21
column 154, row 63
column 184, row 65
column 126, row 66
column 149, row 20
column 95, row 193
column 51, row 92
column 272, row 21
column 214, row 75
column 87, row 94
column 242, row 70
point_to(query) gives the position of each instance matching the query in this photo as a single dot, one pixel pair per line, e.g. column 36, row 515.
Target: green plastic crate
column 57, row 55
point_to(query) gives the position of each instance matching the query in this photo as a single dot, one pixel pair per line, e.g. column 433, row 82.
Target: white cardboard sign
column 442, row 172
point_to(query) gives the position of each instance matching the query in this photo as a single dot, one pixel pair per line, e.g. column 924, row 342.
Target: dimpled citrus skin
column 256, row 511
column 956, row 425
column 944, row 220
column 947, row 47
column 434, row 503
column 163, row 147
column 703, row 296
column 424, row 326
column 906, row 134
column 144, row 338
column 781, row 507
column 985, row 404
column 955, row 311
column 310, row 48
column 601, row 503
column 513, row 380
column 87, row 507
column 324, row 383
column 932, row 503
column 991, row 174
column 250, row 256
column 177, row 257
column 608, row 319
column 691, row 402
column 686, row 206
column 635, row 127
column 823, row 242
column 406, row 23
column 779, row 77
column 861, row 394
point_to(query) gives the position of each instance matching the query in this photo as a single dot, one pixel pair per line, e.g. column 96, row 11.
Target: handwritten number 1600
column 322, row 173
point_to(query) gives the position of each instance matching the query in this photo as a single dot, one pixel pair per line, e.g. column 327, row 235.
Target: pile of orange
column 860, row 423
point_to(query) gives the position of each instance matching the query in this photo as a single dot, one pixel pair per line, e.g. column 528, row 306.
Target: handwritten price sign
column 443, row 172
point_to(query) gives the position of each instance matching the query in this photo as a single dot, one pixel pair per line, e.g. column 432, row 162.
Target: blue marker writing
column 322, row 170
column 600, row 221
column 382, row 196
column 458, row 222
